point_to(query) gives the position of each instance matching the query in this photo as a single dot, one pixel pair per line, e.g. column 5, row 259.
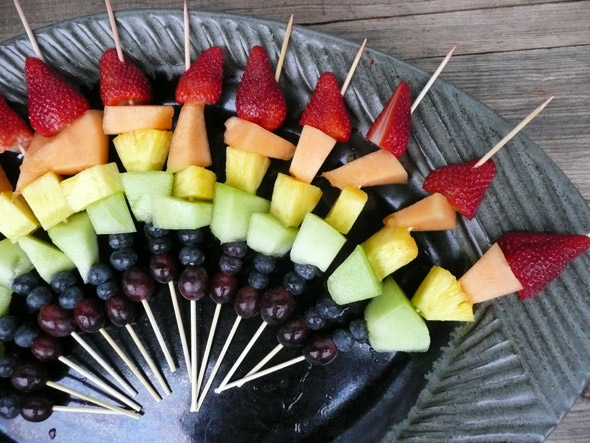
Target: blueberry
column 358, row 329
column 343, row 340
column 153, row 232
column 10, row 406
column 8, row 326
column 191, row 256
column 120, row 241
column 328, row 308
column 23, row 284
column 106, row 290
column 25, row 335
column 99, row 273
column 306, row 272
column 236, row 249
column 39, row 297
column 7, row 362
column 258, row 280
column 264, row 263
column 294, row 283
column 62, row 280
column 313, row 319
column 160, row 244
column 230, row 265
column 189, row 237
column 70, row 297
column 123, row 259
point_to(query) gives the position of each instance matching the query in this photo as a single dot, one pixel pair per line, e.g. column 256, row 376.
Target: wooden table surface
column 511, row 55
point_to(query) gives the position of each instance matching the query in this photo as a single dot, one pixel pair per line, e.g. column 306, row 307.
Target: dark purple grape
column 70, row 297
column 123, row 259
column 320, row 349
column 358, row 329
column 8, row 326
column 25, row 335
column 293, row 332
column 307, row 272
column 120, row 241
column 294, row 283
column 163, row 268
column 120, row 310
column 23, row 284
column 189, row 237
column 46, row 348
column 191, row 256
column 99, row 273
column 222, row 287
column 28, row 377
column 89, row 315
column 153, row 232
column 106, row 290
column 10, row 405
column 39, row 297
column 63, row 280
column 236, row 249
column 230, row 265
column 56, row 321
column 193, row 283
column 258, row 280
column 160, row 245
column 313, row 319
column 137, row 284
column 343, row 340
column 36, row 408
column 264, row 263
column 328, row 308
column 247, row 302
column 7, row 362
column 276, row 305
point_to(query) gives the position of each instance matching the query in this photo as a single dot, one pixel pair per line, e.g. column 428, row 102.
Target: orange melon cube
column 119, row 119
column 312, row 150
column 189, row 146
column 374, row 169
column 4, row 183
column 250, row 137
column 433, row 213
column 490, row 277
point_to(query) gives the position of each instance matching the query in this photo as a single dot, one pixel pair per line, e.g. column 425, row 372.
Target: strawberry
column 122, row 82
column 326, row 110
column 462, row 184
column 53, row 103
column 13, row 130
column 537, row 259
column 201, row 83
column 259, row 98
column 391, row 130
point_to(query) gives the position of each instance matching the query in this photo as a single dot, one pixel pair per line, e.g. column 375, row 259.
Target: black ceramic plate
column 510, row 376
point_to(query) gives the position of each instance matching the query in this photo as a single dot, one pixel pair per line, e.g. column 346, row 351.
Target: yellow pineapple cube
column 46, row 198
column 245, row 170
column 91, row 185
column 292, row 200
column 16, row 219
column 346, row 209
column 389, row 249
column 194, row 182
column 144, row 149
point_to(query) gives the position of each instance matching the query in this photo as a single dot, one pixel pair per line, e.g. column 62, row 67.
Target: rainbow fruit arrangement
column 56, row 275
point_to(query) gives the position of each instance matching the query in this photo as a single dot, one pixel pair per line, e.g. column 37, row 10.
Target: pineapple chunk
column 16, row 218
column 47, row 199
column 441, row 297
column 292, row 200
column 194, row 182
column 245, row 170
column 144, row 149
column 347, row 208
column 389, row 249
column 92, row 185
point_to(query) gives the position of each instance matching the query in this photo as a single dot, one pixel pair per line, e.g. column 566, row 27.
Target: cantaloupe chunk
column 312, row 150
column 433, row 213
column 190, row 145
column 490, row 277
column 250, row 137
column 119, row 119
column 4, row 183
column 374, row 169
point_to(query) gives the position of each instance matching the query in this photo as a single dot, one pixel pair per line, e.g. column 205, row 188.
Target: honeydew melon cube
column 346, row 209
column 77, row 239
column 91, row 185
column 317, row 243
column 5, row 298
column 269, row 236
column 111, row 215
column 17, row 219
column 46, row 258
column 176, row 213
column 393, row 323
column 232, row 210
column 245, row 170
column 354, row 279
column 194, row 182
column 389, row 249
column 292, row 200
column 143, row 149
column 47, row 200
column 141, row 187
column 13, row 262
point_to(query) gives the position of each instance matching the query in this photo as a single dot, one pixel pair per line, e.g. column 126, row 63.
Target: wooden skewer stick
column 130, row 364
column 194, row 356
column 432, row 79
column 159, row 336
column 21, row 149
column 210, row 337
column 114, row 29
column 85, row 410
column 90, row 399
column 98, row 382
column 265, row 360
column 180, row 325
column 270, row 370
column 355, row 63
column 101, row 361
column 28, row 30
column 512, row 133
column 284, row 48
column 187, row 41
column 148, row 359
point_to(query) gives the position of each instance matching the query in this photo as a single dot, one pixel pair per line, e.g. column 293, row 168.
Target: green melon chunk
column 77, row 239
column 269, row 236
column 354, row 279
column 111, row 215
column 394, row 324
column 176, row 213
column 317, row 243
column 5, row 298
column 13, row 262
column 46, row 258
column 232, row 209
column 140, row 187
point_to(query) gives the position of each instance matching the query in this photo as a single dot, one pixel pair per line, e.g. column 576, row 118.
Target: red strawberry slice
column 53, row 103
column 391, row 130
column 13, row 130
column 462, row 184
column 326, row 110
column 259, row 98
column 202, row 82
column 537, row 259
column 122, row 82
